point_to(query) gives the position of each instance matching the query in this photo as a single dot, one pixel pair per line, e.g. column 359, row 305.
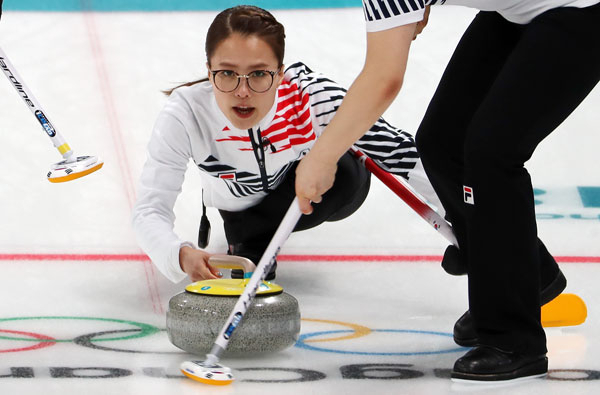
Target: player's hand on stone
column 314, row 176
column 195, row 264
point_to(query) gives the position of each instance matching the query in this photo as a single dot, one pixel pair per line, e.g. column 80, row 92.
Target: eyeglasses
column 258, row 81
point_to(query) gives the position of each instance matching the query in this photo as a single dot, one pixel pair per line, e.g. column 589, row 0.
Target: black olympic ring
column 86, row 341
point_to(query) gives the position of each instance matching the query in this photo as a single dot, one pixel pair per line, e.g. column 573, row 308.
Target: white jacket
column 191, row 126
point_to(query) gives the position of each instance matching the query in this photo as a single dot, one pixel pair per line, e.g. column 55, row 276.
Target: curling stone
column 196, row 316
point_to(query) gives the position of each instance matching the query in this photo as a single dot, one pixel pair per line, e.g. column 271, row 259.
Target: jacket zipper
column 259, row 154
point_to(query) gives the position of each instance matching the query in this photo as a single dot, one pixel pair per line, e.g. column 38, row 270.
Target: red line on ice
column 117, row 136
column 282, row 258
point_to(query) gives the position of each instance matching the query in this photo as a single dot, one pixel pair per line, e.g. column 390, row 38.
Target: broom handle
column 287, row 225
column 410, row 197
column 34, row 106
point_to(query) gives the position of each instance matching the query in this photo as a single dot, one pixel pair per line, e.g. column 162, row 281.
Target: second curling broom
column 71, row 167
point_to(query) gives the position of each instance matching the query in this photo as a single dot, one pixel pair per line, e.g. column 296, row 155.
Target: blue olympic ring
column 301, row 344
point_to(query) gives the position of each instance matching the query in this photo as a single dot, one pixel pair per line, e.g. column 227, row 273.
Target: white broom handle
column 287, row 225
column 34, row 106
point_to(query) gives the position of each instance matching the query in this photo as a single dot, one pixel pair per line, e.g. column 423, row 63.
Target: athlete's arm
column 369, row 96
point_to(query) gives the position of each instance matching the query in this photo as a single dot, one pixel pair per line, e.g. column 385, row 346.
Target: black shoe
column 464, row 330
column 484, row 363
column 238, row 273
column 453, row 262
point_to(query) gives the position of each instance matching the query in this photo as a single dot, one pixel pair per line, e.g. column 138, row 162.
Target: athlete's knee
column 350, row 175
column 483, row 153
column 353, row 200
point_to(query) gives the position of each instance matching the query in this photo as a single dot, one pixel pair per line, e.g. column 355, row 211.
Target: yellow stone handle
column 224, row 261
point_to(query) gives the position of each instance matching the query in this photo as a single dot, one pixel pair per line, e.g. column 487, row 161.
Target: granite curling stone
column 196, row 316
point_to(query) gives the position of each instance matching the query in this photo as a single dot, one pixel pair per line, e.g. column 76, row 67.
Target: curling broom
column 71, row 167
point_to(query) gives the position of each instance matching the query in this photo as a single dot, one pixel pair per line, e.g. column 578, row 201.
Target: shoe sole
column 533, row 370
column 498, row 382
column 472, row 342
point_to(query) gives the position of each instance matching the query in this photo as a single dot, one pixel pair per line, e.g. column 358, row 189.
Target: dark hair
column 246, row 20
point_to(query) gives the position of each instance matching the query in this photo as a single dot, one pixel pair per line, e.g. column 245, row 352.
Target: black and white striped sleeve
column 387, row 14
column 392, row 149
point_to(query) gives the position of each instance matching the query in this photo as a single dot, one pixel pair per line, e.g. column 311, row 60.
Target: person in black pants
column 506, row 88
column 520, row 69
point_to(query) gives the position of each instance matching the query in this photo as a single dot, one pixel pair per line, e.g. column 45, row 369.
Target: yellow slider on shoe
column 564, row 310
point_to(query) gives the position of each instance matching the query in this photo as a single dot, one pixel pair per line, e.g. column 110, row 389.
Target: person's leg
column 249, row 231
column 552, row 281
column 552, row 68
column 441, row 135
column 550, row 71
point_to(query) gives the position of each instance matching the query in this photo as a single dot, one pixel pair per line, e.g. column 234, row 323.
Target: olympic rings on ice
column 360, row 331
column 140, row 330
column 43, row 340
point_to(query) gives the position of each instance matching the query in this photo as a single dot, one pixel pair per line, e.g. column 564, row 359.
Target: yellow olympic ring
column 359, row 330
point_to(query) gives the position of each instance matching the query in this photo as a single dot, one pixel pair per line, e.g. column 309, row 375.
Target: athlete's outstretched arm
column 369, row 96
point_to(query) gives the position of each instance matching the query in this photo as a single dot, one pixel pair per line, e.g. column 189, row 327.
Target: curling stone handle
column 223, row 261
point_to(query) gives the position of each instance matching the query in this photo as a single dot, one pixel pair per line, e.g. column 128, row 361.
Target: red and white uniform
column 239, row 167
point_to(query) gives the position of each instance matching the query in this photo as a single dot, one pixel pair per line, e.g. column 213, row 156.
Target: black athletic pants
column 249, row 231
column 506, row 88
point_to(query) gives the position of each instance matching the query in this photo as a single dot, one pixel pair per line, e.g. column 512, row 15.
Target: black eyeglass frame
column 246, row 76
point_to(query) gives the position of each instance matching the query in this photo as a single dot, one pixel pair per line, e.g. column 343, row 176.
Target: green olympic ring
column 145, row 329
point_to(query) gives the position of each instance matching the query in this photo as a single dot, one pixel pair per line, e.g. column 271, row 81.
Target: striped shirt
column 191, row 126
column 387, row 14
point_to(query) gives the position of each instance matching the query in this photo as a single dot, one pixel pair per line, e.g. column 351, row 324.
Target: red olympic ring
column 42, row 344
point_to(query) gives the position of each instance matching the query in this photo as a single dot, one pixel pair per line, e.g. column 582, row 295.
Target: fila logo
column 468, row 195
